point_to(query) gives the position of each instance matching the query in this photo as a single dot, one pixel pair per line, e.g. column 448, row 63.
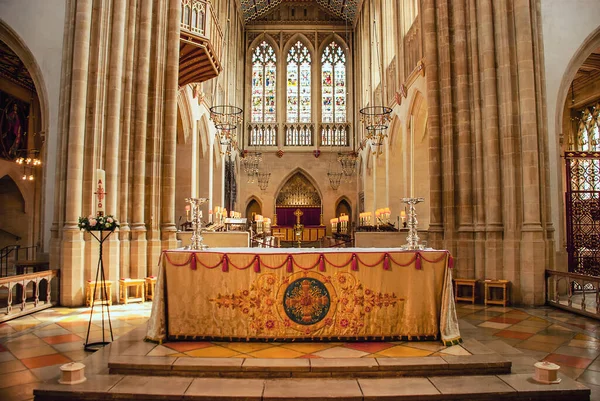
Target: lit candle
column 100, row 193
column 187, row 212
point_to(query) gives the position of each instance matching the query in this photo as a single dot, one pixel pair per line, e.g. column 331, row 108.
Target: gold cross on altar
column 298, row 213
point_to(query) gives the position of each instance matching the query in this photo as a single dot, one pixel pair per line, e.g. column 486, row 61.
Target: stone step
column 471, row 388
column 448, row 365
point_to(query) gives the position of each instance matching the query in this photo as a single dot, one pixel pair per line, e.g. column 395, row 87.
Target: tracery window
column 264, row 90
column 264, row 62
column 333, row 84
column 588, row 131
column 298, row 84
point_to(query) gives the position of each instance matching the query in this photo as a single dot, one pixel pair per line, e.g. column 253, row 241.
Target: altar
column 304, row 294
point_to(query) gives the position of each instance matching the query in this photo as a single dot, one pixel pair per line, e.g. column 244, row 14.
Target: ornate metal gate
column 582, row 201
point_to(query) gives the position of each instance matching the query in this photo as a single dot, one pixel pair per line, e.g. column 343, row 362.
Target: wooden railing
column 16, row 291
column 197, row 17
column 574, row 292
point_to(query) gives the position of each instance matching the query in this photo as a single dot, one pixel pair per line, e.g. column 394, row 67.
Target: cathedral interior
column 130, row 128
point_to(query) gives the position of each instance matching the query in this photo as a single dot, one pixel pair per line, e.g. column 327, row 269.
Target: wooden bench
column 138, row 284
column 150, row 284
column 501, row 284
column 89, row 291
column 460, row 283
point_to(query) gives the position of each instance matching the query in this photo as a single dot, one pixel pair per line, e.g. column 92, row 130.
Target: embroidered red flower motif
column 245, row 293
column 344, row 301
column 307, row 331
column 245, row 311
column 270, row 324
column 287, row 323
column 269, row 301
column 270, row 280
column 367, row 309
column 386, row 303
column 344, row 322
column 367, row 292
column 342, row 279
column 328, row 321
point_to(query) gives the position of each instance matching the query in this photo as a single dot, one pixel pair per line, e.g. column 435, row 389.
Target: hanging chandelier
column 250, row 163
column 263, row 179
column 226, row 117
column 376, row 119
column 348, row 162
column 29, row 162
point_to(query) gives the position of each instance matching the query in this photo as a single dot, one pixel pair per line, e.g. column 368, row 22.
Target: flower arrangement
column 98, row 223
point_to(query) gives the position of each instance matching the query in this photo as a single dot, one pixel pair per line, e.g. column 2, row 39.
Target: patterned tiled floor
column 32, row 348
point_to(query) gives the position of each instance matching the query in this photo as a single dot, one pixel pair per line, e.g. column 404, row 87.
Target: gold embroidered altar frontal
column 317, row 294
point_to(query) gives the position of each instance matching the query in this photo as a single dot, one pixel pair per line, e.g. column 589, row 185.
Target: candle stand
column 104, row 297
column 412, row 240
column 196, row 240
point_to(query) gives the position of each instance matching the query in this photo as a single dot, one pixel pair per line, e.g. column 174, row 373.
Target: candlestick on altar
column 100, row 192
column 412, row 157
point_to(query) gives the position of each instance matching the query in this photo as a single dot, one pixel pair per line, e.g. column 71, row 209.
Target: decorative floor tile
column 61, row 339
column 370, row 347
column 537, row 346
column 213, row 351
column 246, row 347
column 11, row 366
column 493, row 325
column 341, row 352
column 33, row 352
column 403, row 351
column 307, row 348
column 46, row 360
column 455, row 350
column 513, row 334
column 504, row 319
column 188, row 345
column 567, row 360
column 276, row 352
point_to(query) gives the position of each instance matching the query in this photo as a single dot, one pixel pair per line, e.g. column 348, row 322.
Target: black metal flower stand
column 95, row 346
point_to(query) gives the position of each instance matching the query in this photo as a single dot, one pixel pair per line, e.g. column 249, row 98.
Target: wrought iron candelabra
column 412, row 240
column 196, row 241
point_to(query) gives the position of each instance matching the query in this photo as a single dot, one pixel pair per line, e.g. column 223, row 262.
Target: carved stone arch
column 249, row 206
column 267, row 38
column 184, row 112
column 334, row 37
column 305, row 41
column 341, row 199
column 18, row 46
column 394, row 131
column 418, row 110
column 25, row 192
column 204, row 135
column 306, row 175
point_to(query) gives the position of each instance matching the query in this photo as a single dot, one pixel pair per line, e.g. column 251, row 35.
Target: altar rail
column 16, row 291
column 578, row 293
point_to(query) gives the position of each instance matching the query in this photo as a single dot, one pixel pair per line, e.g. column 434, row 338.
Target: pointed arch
column 184, row 112
column 299, row 57
column 204, row 135
column 418, row 110
column 306, row 174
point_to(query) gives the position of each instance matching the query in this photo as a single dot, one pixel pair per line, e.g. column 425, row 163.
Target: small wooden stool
column 503, row 284
column 464, row 282
column 137, row 283
column 150, row 284
column 89, row 292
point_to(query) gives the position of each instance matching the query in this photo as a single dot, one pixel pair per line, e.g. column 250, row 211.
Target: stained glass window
column 298, row 84
column 588, row 131
column 264, row 69
column 333, row 84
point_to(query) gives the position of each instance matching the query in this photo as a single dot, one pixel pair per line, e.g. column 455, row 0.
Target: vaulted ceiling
column 345, row 9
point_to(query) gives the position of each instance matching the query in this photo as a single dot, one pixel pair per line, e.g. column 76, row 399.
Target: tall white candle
column 100, row 193
column 412, row 157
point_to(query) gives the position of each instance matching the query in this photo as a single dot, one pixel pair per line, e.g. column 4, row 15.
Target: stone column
column 428, row 11
column 168, row 228
column 491, row 147
column 126, row 134
column 113, row 132
column 533, row 250
column 71, row 292
column 464, row 154
column 138, row 227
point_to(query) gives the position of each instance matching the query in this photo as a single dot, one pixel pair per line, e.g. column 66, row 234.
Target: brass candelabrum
column 412, row 240
column 196, row 241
